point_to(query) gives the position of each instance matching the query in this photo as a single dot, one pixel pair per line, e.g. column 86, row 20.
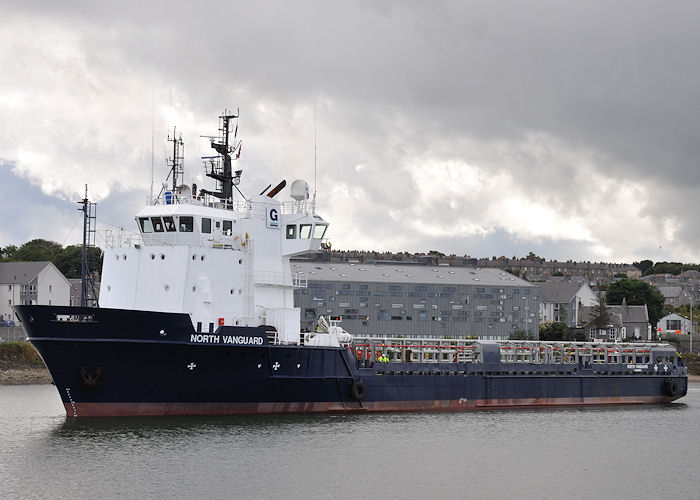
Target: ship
column 196, row 316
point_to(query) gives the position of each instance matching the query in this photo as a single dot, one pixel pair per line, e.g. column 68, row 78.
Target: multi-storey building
column 413, row 300
column 31, row 283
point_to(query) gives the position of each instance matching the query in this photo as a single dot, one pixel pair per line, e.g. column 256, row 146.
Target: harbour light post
column 526, row 315
column 691, row 324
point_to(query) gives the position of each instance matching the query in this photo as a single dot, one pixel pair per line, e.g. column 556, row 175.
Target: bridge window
column 228, row 228
column 319, row 231
column 291, row 231
column 305, row 231
column 186, row 224
column 169, row 224
column 206, row 225
column 146, row 226
column 157, row 224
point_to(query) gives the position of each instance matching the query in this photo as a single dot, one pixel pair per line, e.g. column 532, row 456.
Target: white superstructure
column 221, row 262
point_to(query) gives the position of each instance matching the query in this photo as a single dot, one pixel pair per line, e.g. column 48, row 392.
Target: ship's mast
column 88, row 294
column 221, row 169
column 176, row 163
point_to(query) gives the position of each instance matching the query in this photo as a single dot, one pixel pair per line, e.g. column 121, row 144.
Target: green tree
column 520, row 334
column 7, row 253
column 37, row 250
column 600, row 314
column 70, row 260
column 554, row 330
column 533, row 256
column 637, row 293
column 643, row 265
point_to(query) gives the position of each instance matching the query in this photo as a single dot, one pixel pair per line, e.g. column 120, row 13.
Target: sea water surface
column 610, row 452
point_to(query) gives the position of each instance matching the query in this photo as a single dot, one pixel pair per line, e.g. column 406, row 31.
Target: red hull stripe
column 161, row 409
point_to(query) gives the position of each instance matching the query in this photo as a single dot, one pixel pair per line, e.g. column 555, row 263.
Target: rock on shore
column 25, row 376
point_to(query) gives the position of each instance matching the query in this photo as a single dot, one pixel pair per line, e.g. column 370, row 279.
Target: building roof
column 20, row 273
column 673, row 316
column 558, row 292
column 627, row 314
column 394, row 272
column 670, row 292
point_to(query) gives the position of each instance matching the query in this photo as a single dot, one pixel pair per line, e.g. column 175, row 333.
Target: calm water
column 642, row 452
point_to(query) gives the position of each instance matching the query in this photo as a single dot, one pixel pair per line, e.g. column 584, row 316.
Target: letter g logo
column 273, row 214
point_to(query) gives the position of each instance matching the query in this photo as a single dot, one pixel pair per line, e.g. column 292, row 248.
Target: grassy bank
column 20, row 364
column 16, row 355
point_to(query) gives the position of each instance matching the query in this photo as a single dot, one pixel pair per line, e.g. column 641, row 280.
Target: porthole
column 231, row 291
column 194, row 288
column 109, row 288
column 153, row 256
column 117, row 257
column 240, row 261
column 166, row 287
column 124, row 256
column 194, row 257
column 202, row 258
column 162, row 256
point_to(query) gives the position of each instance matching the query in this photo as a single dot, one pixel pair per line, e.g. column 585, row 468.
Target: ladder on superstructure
column 88, row 291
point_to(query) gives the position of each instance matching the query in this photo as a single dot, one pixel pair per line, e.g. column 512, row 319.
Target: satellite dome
column 299, row 190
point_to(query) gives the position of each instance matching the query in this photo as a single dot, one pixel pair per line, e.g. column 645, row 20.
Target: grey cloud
column 538, row 90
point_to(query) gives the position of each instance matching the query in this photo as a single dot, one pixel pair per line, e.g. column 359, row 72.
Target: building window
column 673, row 324
column 291, row 231
column 206, row 225
column 228, row 228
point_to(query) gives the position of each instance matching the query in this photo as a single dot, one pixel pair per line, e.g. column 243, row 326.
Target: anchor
column 88, row 379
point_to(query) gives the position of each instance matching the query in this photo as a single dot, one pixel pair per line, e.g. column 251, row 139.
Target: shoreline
column 34, row 376
column 25, row 376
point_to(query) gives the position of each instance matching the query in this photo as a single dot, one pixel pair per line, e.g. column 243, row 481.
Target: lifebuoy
column 358, row 390
column 672, row 387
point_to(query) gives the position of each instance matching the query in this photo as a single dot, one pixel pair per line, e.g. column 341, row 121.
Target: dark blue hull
column 112, row 362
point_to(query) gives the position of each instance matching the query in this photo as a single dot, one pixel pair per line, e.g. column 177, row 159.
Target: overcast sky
column 481, row 128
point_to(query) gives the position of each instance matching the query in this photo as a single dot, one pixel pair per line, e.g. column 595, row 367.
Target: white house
column 31, row 283
column 673, row 323
column 563, row 301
